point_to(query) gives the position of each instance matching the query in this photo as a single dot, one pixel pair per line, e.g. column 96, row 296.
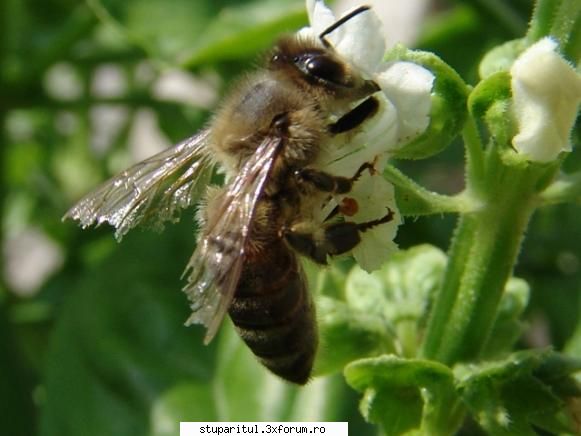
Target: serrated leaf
column 513, row 395
column 396, row 412
column 402, row 288
column 390, row 371
column 402, row 394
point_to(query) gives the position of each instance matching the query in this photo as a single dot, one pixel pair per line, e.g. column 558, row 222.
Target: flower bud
column 546, row 95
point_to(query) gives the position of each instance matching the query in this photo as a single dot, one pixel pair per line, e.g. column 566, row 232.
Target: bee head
column 313, row 62
column 309, row 62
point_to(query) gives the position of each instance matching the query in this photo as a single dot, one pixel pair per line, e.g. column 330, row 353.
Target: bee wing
column 150, row 192
column 215, row 267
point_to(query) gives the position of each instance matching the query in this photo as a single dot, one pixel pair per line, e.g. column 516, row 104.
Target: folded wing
column 215, row 267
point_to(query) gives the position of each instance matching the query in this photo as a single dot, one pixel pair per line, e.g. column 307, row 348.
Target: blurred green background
column 92, row 340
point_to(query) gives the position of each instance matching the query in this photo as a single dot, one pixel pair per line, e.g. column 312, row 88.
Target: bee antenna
column 340, row 22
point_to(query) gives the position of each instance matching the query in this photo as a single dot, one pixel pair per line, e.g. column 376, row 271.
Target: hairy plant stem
column 542, row 18
column 483, row 253
column 561, row 19
column 487, row 240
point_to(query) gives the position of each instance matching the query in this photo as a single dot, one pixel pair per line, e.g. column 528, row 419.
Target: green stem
column 565, row 189
column 542, row 19
column 566, row 25
column 562, row 20
column 474, row 156
column 481, row 259
column 414, row 200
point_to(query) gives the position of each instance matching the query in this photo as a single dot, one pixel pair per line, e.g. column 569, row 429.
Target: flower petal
column 344, row 155
column 360, row 41
column 320, row 16
column 377, row 196
column 546, row 94
column 409, row 87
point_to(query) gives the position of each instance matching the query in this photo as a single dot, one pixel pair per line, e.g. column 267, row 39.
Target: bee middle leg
column 326, row 182
column 329, row 239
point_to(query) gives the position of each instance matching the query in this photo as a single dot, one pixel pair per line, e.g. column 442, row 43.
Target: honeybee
column 266, row 138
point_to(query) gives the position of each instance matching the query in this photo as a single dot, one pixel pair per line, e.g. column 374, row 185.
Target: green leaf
column 162, row 30
column 34, row 38
column 329, row 281
column 193, row 33
column 347, row 335
column 495, row 88
column 402, row 288
column 513, row 395
column 241, row 382
column 381, row 312
column 398, row 294
column 501, row 57
column 182, row 402
column 120, row 345
column 241, row 31
column 17, row 410
column 246, row 391
column 396, row 389
column 448, row 111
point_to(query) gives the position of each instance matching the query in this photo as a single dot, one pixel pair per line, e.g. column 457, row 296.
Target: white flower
column 546, row 94
column 405, row 104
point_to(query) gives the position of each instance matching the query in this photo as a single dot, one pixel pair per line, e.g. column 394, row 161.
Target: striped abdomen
column 273, row 313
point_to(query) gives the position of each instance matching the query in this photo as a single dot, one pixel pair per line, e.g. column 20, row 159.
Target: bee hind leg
column 330, row 239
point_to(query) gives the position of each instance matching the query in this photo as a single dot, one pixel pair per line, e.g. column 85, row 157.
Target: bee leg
column 326, row 182
column 354, row 118
column 331, row 239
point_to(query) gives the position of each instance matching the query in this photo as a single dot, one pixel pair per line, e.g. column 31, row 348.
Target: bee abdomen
column 278, row 325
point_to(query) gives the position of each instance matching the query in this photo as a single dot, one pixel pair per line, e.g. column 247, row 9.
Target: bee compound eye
column 324, row 68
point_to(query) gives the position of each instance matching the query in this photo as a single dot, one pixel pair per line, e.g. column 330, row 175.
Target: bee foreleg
column 355, row 117
column 330, row 239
